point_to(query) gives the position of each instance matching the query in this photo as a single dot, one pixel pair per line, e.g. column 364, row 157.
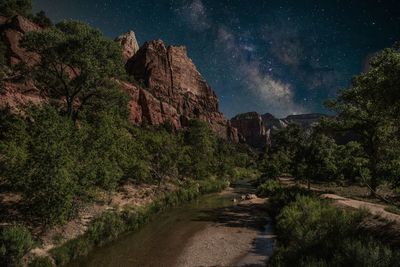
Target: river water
column 162, row 241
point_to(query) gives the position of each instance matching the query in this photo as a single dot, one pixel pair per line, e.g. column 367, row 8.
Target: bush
column 71, row 250
column 268, row 188
column 105, row 228
column 41, row 262
column 313, row 233
column 281, row 198
column 15, row 241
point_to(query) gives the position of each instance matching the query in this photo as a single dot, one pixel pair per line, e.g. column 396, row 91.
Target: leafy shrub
column 268, row 188
column 281, row 198
column 15, row 241
column 313, row 233
column 105, row 228
column 41, row 262
column 212, row 186
column 71, row 250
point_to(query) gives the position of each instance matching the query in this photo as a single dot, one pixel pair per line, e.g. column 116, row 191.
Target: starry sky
column 278, row 56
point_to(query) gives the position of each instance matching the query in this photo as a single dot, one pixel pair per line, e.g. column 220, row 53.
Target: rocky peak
column 170, row 75
column 129, row 45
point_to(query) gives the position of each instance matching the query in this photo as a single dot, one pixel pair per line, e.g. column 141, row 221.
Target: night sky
column 282, row 57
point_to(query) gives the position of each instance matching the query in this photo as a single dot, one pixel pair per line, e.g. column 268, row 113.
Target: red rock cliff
column 170, row 76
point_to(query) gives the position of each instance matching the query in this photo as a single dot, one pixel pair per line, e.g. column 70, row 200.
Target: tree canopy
column 76, row 67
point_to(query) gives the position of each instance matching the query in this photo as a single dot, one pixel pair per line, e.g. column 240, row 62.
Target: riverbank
column 127, row 210
column 239, row 235
column 212, row 230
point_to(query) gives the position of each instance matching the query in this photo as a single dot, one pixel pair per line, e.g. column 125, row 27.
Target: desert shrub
column 281, row 198
column 41, row 262
column 212, row 185
column 71, row 250
column 15, row 241
column 268, row 188
column 313, row 233
column 105, row 228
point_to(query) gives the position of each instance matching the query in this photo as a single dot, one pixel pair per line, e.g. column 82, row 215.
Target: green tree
column 105, row 151
column 369, row 108
column 201, row 142
column 77, row 66
column 14, row 138
column 351, row 161
column 41, row 19
column 48, row 174
column 317, row 160
column 10, row 8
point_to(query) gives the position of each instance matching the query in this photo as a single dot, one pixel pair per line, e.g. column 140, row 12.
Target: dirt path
column 238, row 236
column 373, row 208
column 376, row 209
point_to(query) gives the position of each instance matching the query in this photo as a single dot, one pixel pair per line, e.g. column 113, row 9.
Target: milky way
column 281, row 57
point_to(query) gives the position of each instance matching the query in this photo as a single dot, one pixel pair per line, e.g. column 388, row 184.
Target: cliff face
column 251, row 127
column 129, row 45
column 15, row 92
column 171, row 90
column 171, row 78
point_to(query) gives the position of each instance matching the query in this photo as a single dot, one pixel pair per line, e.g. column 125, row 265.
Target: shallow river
column 163, row 241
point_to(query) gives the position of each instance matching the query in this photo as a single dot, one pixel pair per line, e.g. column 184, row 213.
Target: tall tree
column 76, row 67
column 370, row 109
column 15, row 7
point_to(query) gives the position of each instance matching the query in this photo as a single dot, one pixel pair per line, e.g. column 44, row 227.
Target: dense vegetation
column 311, row 232
column 360, row 144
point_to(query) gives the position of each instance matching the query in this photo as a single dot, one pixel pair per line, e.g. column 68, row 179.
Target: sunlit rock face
column 251, row 127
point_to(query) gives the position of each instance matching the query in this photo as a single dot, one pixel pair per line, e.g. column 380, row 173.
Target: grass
column 110, row 225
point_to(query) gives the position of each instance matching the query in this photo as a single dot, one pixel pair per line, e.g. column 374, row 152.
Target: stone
column 129, row 45
column 11, row 32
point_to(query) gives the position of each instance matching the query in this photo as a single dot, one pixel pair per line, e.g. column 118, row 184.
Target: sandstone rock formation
column 170, row 76
column 250, row 125
column 11, row 32
column 15, row 92
column 129, row 45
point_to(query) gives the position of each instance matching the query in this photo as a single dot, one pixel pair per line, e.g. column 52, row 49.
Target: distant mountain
column 305, row 120
column 255, row 129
